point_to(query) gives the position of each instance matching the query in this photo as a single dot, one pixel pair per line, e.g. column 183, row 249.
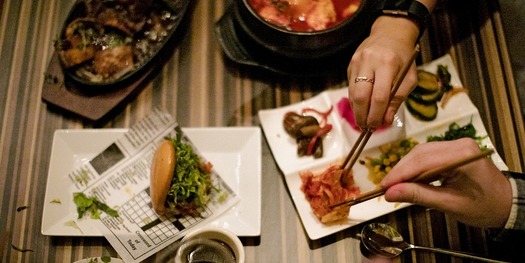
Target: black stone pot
column 305, row 45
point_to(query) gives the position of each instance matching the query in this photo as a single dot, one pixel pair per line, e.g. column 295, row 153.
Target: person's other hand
column 477, row 193
column 381, row 57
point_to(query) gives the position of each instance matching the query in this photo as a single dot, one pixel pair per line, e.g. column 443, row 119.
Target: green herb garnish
column 115, row 40
column 21, row 208
column 19, row 249
column 82, row 178
column 223, row 196
column 103, row 259
column 73, row 224
column 91, row 205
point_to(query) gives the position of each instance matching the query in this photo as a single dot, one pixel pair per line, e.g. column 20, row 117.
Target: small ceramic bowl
column 210, row 240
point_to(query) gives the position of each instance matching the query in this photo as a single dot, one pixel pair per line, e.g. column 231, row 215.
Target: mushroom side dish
column 105, row 40
column 307, row 131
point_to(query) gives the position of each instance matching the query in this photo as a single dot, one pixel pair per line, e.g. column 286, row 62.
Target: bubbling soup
column 305, row 15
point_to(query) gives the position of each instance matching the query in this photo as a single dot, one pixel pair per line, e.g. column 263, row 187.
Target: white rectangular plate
column 234, row 152
column 337, row 144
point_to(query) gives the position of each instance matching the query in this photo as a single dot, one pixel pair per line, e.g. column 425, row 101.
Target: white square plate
column 338, row 142
column 234, row 152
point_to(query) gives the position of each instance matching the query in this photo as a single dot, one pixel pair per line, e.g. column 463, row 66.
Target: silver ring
column 360, row 79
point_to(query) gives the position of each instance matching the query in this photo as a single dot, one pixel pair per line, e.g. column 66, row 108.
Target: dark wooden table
column 202, row 89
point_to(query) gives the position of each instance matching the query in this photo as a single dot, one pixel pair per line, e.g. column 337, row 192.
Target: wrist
column 388, row 26
column 414, row 11
column 517, row 210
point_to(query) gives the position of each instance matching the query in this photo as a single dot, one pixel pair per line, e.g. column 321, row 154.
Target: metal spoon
column 384, row 240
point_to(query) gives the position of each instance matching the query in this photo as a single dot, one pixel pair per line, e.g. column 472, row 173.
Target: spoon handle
column 457, row 254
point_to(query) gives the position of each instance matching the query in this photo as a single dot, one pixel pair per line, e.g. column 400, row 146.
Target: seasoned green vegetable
column 456, row 132
column 445, row 77
column 92, row 205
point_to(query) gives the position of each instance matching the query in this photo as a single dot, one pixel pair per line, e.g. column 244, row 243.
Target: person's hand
column 477, row 194
column 380, row 58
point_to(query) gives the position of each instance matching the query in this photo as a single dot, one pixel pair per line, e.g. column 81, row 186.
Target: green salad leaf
column 91, row 205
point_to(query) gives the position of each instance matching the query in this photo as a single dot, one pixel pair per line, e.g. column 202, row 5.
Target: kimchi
column 325, row 189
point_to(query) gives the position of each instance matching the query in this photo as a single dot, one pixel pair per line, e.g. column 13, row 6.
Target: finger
column 408, row 84
column 427, row 156
column 381, row 95
column 441, row 198
column 360, row 91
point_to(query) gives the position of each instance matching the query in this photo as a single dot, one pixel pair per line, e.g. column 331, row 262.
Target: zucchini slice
column 427, row 83
column 423, row 112
column 425, row 98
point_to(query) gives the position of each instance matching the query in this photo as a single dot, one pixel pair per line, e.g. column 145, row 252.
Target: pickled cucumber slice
column 425, row 98
column 424, row 112
column 427, row 83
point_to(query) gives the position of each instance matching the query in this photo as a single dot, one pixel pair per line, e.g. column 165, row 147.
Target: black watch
column 413, row 10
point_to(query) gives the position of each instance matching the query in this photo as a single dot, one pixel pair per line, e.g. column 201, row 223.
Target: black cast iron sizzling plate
column 96, row 102
column 176, row 9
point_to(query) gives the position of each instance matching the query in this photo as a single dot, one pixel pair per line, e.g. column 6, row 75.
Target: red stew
column 305, row 15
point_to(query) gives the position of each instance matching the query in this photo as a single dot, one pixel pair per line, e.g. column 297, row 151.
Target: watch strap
column 415, row 11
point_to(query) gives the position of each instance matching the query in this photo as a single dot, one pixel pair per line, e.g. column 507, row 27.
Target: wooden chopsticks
column 363, row 138
column 425, row 177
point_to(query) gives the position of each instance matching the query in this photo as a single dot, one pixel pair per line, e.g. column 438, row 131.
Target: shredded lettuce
column 191, row 183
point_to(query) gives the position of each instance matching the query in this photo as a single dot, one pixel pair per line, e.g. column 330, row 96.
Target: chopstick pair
column 363, row 138
column 425, row 177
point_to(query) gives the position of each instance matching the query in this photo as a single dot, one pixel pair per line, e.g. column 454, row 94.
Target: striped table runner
column 201, row 89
